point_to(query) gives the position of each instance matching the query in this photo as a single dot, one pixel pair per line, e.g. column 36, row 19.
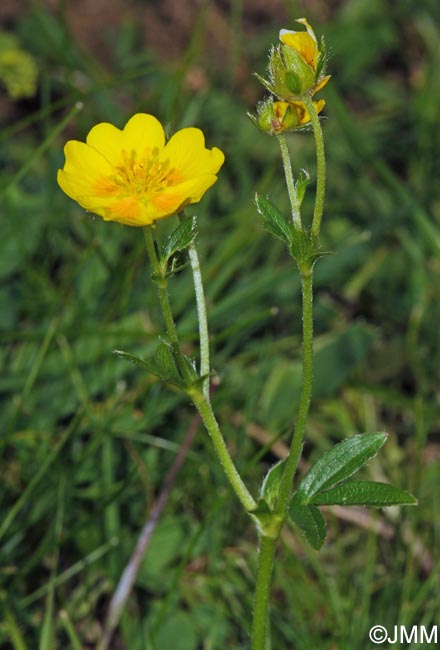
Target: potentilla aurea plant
column 134, row 177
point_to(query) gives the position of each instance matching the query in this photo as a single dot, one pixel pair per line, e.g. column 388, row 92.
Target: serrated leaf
column 310, row 523
column 271, row 482
column 339, row 464
column 180, row 239
column 162, row 364
column 364, row 493
column 273, row 220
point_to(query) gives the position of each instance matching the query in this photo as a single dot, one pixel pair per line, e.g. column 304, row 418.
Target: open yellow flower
column 132, row 176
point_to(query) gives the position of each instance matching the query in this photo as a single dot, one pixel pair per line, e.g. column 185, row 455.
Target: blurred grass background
column 87, row 439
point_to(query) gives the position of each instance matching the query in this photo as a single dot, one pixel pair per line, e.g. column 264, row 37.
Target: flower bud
column 276, row 117
column 296, row 66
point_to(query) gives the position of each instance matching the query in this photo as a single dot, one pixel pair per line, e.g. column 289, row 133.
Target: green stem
column 202, row 318
column 201, row 402
column 296, row 213
column 306, row 392
column 260, row 625
column 320, row 165
column 162, row 284
column 204, row 408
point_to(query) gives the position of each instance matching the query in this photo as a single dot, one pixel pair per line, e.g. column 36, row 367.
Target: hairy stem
column 201, row 402
column 202, row 318
column 306, row 392
column 320, row 166
column 204, row 408
column 261, row 624
column 294, row 203
column 162, row 284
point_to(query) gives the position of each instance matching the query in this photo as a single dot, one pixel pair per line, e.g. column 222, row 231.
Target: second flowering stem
column 199, row 397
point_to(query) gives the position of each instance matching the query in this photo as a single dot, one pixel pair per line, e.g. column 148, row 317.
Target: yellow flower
column 302, row 114
column 304, row 60
column 276, row 117
column 296, row 66
column 132, row 176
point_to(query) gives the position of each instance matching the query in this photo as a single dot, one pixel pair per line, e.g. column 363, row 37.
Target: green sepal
column 253, row 119
column 268, row 523
column 273, row 220
column 310, row 522
column 338, row 464
column 179, row 239
column 293, row 82
column 322, row 59
column 364, row 493
column 270, row 487
column 295, row 64
column 264, row 82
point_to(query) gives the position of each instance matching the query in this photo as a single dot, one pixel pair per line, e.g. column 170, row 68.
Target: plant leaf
column 310, row 523
column 273, row 220
column 271, row 482
column 364, row 493
column 339, row 464
column 134, row 358
column 165, row 365
column 180, row 238
column 162, row 364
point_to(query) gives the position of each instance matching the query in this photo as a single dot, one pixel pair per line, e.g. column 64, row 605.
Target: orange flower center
column 139, row 176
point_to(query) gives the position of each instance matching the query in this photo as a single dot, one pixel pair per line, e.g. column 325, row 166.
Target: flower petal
column 107, row 139
column 186, row 152
column 142, row 132
column 303, row 43
column 174, row 198
column 82, row 167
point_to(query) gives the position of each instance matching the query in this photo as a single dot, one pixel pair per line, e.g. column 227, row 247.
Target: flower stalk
column 293, row 197
column 320, row 166
column 205, row 368
column 159, row 275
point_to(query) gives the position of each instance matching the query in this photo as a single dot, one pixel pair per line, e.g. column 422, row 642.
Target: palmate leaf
column 338, row 464
column 310, row 522
column 364, row 493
